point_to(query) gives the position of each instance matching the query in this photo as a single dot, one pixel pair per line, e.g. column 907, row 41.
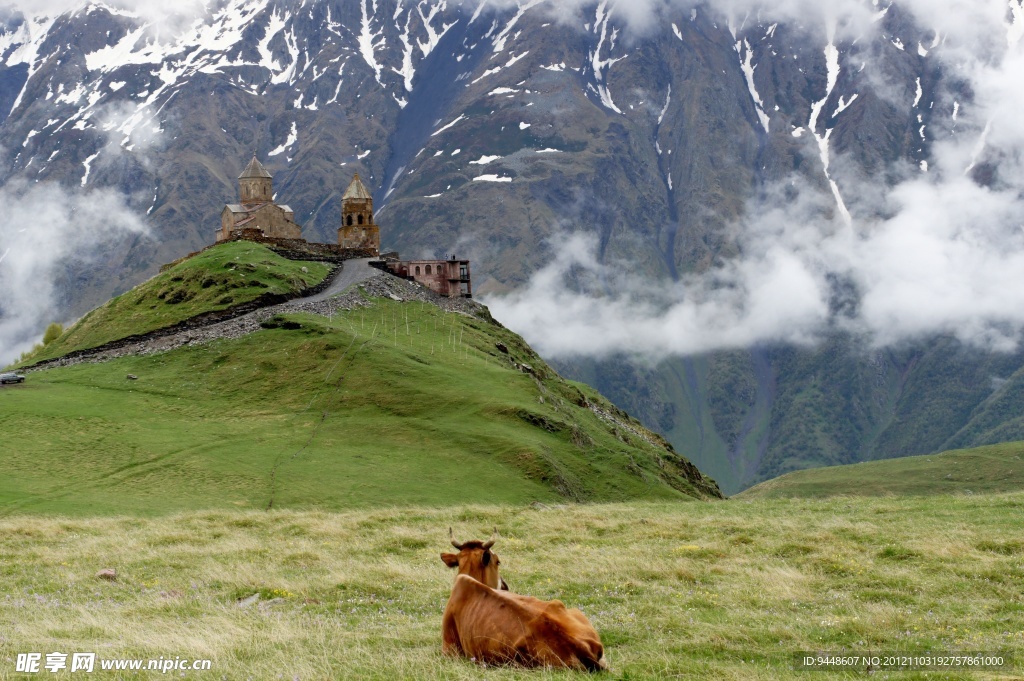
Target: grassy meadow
column 719, row 590
column 228, row 275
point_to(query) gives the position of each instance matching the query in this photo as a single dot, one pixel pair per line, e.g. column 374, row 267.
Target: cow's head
column 476, row 559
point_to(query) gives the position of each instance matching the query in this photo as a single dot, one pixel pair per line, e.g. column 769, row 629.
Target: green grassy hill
column 227, row 275
column 394, row 402
column 729, row 590
column 991, row 469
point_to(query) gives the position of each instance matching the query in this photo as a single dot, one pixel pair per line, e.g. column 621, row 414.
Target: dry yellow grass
column 718, row 590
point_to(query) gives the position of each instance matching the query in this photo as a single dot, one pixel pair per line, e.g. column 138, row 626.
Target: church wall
column 360, row 236
column 227, row 223
column 275, row 223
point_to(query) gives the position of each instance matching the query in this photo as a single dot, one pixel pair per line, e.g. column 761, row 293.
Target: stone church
column 258, row 217
column 257, row 209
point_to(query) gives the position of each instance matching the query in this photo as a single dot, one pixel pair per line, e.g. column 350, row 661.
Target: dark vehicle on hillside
column 11, row 377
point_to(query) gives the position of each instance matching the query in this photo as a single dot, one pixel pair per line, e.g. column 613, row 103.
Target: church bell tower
column 357, row 227
column 256, row 185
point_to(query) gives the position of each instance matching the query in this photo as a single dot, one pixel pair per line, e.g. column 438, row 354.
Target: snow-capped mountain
column 491, row 130
column 434, row 100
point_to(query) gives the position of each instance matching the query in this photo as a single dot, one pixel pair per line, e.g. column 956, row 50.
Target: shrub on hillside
column 52, row 333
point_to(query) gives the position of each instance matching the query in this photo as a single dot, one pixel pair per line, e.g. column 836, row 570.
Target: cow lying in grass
column 486, row 622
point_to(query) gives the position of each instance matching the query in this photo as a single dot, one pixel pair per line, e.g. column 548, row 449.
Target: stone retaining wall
column 291, row 249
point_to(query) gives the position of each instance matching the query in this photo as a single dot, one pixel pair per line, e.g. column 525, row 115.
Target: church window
column 360, row 218
column 428, row 269
column 349, row 220
column 417, row 270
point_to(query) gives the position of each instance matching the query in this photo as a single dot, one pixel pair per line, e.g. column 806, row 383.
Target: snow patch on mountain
column 293, row 137
column 88, row 167
column 521, row 9
column 370, row 42
column 461, row 117
column 599, row 65
column 747, row 66
column 410, row 43
column 832, row 75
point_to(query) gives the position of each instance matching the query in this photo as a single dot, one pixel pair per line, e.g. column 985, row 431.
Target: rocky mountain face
column 493, row 131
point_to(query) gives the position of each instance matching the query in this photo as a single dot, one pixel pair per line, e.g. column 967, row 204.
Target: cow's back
column 500, row 627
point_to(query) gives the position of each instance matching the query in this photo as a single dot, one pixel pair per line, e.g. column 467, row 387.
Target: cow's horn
column 454, row 543
column 490, row 542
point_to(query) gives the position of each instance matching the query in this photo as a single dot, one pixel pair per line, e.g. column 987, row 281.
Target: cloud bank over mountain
column 46, row 229
column 941, row 251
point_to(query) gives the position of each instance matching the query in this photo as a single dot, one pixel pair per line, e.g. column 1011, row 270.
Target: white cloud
column 129, row 127
column 949, row 260
column 46, row 228
column 149, row 10
column 946, row 257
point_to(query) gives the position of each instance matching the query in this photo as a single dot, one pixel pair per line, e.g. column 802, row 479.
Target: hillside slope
column 223, row 277
column 373, row 401
column 993, row 469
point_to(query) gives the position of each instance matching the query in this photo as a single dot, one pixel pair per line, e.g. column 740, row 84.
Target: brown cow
column 486, row 622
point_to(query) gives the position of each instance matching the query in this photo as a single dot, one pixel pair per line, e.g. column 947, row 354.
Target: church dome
column 254, row 169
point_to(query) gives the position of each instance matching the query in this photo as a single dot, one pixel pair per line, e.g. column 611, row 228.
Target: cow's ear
column 486, row 558
column 450, row 559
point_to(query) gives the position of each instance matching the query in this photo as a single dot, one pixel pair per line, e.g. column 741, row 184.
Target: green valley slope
column 993, row 469
column 389, row 402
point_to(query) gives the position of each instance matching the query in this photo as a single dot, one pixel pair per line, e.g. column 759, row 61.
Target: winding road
column 352, row 272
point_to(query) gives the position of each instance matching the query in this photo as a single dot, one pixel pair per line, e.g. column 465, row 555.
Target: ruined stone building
column 257, row 210
column 357, row 227
column 449, row 278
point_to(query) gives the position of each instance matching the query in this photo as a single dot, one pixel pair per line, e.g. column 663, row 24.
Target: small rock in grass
column 248, row 600
column 132, row 377
column 109, row 574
